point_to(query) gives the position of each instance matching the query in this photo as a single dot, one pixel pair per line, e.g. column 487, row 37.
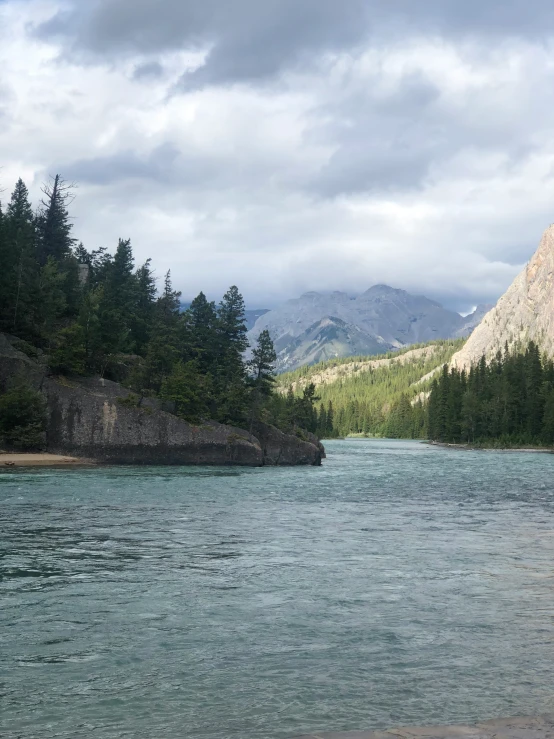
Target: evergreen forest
column 507, row 402
column 96, row 313
column 380, row 401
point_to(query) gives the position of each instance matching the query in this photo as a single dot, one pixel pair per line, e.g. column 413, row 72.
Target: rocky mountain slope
column 524, row 313
column 317, row 327
column 329, row 373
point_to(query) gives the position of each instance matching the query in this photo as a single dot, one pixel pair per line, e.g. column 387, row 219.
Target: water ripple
column 400, row 583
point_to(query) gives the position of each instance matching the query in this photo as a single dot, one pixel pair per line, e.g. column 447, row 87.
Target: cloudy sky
column 292, row 145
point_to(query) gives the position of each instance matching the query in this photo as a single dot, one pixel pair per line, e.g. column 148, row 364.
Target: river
column 398, row 583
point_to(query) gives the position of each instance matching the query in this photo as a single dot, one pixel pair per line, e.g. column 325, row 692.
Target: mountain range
column 316, row 326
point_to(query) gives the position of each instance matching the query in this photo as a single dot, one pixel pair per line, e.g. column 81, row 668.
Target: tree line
column 509, row 401
column 97, row 313
column 379, row 401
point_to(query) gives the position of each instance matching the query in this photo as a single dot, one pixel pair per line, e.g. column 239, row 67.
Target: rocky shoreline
column 100, row 420
column 525, row 727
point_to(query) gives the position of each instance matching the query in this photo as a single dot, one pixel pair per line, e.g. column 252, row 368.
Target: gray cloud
column 253, row 41
column 125, row 165
column 390, row 141
column 148, row 70
column 381, row 141
column 249, row 39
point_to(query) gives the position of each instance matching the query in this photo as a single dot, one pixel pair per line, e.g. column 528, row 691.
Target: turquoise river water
column 399, row 583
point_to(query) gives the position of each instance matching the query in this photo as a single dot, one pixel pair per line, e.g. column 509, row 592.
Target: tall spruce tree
column 203, row 334
column 262, row 369
column 167, row 343
column 54, row 225
column 117, row 301
column 145, row 306
column 19, row 303
column 229, row 384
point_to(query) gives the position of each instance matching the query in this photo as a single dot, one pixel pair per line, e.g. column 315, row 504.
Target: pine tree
column 117, row 303
column 306, row 416
column 145, row 306
column 19, row 304
column 262, row 369
column 203, row 334
column 322, row 422
column 533, row 396
column 166, row 344
column 54, row 239
column 330, row 430
column 185, row 387
column 229, row 383
column 54, row 226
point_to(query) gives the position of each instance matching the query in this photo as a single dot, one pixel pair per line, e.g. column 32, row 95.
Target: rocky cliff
column 524, row 313
column 101, row 420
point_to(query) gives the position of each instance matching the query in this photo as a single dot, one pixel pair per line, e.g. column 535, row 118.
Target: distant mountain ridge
column 317, row 327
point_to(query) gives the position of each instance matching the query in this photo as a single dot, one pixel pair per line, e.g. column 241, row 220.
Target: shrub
column 22, row 417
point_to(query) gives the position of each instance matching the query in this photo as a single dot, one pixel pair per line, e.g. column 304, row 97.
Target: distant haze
column 291, row 146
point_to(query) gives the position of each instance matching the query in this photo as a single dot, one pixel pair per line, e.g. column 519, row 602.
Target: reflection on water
column 399, row 583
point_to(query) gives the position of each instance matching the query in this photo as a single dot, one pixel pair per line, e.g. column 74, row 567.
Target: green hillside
column 373, row 395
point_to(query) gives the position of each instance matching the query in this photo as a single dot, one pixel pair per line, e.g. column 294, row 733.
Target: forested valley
column 372, row 396
column 506, row 402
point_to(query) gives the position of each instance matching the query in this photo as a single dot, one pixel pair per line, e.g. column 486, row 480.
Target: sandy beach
column 39, row 460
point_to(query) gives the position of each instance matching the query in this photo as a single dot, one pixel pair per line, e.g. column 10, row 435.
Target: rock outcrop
column 524, row 313
column 92, row 422
column 101, row 420
column 279, row 449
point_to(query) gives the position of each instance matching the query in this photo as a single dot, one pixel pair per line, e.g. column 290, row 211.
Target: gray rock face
column 316, row 327
column 94, row 423
column 96, row 419
column 279, row 448
column 524, row 313
column 86, row 422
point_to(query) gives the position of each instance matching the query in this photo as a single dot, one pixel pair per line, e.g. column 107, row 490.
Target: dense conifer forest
column 96, row 313
column 509, row 402
column 376, row 401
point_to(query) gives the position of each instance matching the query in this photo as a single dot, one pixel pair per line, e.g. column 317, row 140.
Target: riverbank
column 526, row 727
column 40, row 460
column 492, row 448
